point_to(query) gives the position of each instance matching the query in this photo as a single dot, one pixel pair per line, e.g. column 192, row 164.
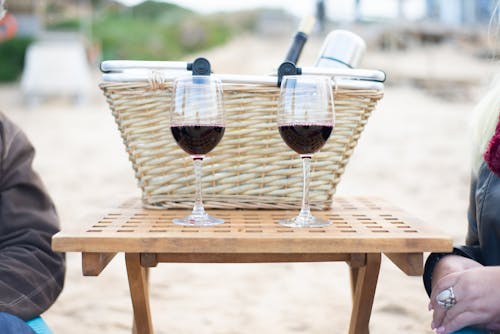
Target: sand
column 413, row 153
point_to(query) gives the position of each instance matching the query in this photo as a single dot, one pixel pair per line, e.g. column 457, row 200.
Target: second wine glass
column 305, row 121
column 197, row 123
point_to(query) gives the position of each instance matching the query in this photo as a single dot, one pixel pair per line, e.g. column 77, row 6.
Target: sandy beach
column 413, row 153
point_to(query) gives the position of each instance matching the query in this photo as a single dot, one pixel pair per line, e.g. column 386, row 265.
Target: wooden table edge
column 63, row 242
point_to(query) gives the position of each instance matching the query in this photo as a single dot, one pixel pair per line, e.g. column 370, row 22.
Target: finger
column 459, row 321
column 450, row 316
column 438, row 316
column 463, row 314
column 443, row 284
column 439, row 311
column 463, row 304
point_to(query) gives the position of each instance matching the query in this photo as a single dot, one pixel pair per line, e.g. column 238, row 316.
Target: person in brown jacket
column 31, row 274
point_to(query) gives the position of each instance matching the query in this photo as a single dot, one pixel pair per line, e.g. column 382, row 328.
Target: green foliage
column 149, row 31
column 66, row 25
column 123, row 37
column 12, row 54
column 159, row 31
column 154, row 10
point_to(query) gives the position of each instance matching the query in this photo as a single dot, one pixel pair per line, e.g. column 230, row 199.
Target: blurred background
column 440, row 56
column 68, row 39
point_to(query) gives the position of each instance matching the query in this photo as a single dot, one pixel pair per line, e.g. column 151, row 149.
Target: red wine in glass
column 305, row 120
column 197, row 123
column 197, row 140
column 305, row 139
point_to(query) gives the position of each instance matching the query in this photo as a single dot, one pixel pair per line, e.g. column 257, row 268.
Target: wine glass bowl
column 197, row 123
column 305, row 122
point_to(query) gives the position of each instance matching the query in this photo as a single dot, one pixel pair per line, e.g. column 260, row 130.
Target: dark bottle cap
column 200, row 66
column 287, row 68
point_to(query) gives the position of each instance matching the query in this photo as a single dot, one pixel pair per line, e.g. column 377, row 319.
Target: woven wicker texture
column 251, row 167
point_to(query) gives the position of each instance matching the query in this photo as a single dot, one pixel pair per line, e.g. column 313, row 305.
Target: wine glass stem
column 198, row 201
column 305, row 211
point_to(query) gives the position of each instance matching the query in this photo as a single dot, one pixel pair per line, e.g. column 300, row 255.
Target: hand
column 448, row 265
column 477, row 295
column 451, row 264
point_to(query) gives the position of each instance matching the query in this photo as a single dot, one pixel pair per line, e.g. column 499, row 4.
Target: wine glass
column 305, row 122
column 197, row 123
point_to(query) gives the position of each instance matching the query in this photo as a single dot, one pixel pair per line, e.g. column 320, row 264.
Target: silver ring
column 446, row 298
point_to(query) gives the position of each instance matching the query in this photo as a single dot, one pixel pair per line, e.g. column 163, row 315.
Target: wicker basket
column 251, row 167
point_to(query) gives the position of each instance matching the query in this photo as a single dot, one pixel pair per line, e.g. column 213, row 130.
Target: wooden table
column 362, row 229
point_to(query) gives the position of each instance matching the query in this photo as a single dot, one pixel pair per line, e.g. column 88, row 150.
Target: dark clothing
column 483, row 234
column 10, row 324
column 31, row 274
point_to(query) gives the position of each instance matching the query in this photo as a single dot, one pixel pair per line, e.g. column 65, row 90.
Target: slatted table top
column 359, row 224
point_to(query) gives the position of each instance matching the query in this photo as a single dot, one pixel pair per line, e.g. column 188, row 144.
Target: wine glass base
column 198, row 220
column 306, row 222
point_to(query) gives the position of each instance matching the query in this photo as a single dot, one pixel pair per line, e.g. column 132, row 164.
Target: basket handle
column 142, row 71
column 117, row 66
column 114, row 66
column 200, row 66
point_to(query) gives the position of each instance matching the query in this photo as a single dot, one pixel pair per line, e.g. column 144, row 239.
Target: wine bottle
column 341, row 49
column 300, row 39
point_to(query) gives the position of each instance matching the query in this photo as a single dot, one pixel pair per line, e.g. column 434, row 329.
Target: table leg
column 94, row 263
column 139, row 293
column 364, row 282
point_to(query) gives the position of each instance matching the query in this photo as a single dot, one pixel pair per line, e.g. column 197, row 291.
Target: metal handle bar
column 109, row 66
column 114, row 66
column 340, row 82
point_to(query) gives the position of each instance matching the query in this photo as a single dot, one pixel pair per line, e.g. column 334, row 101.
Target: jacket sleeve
column 31, row 274
column 488, row 215
column 471, row 250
